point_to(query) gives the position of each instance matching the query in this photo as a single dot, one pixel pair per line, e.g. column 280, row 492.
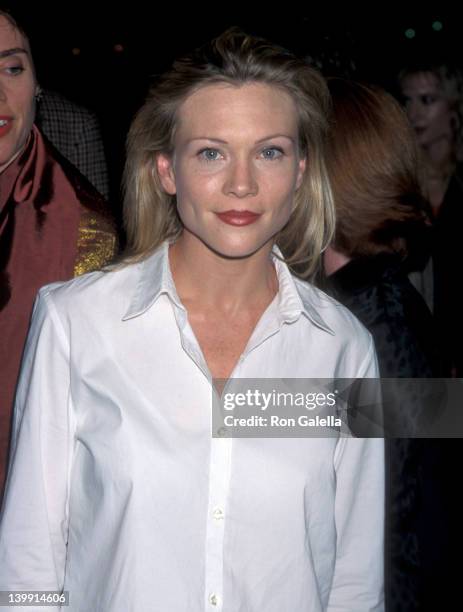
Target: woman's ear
column 166, row 173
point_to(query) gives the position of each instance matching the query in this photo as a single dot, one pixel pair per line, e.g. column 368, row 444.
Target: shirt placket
column 219, row 484
column 220, row 461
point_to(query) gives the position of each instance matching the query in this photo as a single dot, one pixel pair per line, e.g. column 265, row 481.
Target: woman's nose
column 414, row 110
column 241, row 181
column 2, row 92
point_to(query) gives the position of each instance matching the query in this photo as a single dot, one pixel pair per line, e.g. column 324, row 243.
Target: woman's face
column 428, row 110
column 236, row 166
column 17, row 90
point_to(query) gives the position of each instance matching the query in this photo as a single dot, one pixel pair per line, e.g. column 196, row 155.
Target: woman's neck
column 439, row 163
column 439, row 159
column 202, row 276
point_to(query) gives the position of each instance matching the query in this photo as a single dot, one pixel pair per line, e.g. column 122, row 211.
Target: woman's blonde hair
column 235, row 58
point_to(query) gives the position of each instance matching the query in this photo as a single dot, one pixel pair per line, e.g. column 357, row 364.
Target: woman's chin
column 238, row 250
column 227, row 249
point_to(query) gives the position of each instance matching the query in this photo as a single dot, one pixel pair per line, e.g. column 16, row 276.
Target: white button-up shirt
column 118, row 493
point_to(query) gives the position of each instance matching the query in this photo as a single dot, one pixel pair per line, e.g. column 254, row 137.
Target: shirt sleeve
column 358, row 582
column 34, row 518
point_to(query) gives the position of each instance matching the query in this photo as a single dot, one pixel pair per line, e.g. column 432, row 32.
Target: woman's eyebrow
column 287, row 136
column 225, row 142
column 207, row 138
column 9, row 52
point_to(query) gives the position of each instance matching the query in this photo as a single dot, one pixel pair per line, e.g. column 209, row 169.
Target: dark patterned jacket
column 75, row 132
column 420, row 515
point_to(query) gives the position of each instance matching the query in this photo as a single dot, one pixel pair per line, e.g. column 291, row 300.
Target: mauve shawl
column 53, row 225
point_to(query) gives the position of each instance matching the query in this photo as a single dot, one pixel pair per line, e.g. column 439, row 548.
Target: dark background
column 103, row 56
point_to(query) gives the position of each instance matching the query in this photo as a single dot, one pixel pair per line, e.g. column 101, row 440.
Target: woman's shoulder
column 101, row 293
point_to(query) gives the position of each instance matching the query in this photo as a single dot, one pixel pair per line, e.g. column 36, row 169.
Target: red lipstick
column 6, row 123
column 238, row 217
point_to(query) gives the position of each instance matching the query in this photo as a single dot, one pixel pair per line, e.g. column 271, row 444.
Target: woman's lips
column 6, row 123
column 238, row 217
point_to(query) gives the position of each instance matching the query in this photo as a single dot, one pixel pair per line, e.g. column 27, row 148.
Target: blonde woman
column 117, row 491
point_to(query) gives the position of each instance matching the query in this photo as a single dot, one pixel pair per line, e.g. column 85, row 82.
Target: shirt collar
column 295, row 298
column 155, row 279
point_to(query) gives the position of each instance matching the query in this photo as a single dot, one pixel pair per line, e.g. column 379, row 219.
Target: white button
column 218, row 514
column 222, row 432
column 213, row 599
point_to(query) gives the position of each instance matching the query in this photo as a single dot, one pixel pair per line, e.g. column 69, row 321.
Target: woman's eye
column 272, row 153
column 14, row 70
column 209, row 155
column 428, row 99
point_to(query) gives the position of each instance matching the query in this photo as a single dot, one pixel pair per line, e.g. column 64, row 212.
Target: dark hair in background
column 374, row 170
column 20, row 20
column 15, row 21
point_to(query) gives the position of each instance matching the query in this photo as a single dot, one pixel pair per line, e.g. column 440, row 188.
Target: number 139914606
column 34, row 598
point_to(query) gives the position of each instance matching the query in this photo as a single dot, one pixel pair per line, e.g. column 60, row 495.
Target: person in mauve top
column 53, row 223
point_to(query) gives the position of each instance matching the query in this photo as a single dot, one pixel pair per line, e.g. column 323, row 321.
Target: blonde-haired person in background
column 117, row 491
column 432, row 94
